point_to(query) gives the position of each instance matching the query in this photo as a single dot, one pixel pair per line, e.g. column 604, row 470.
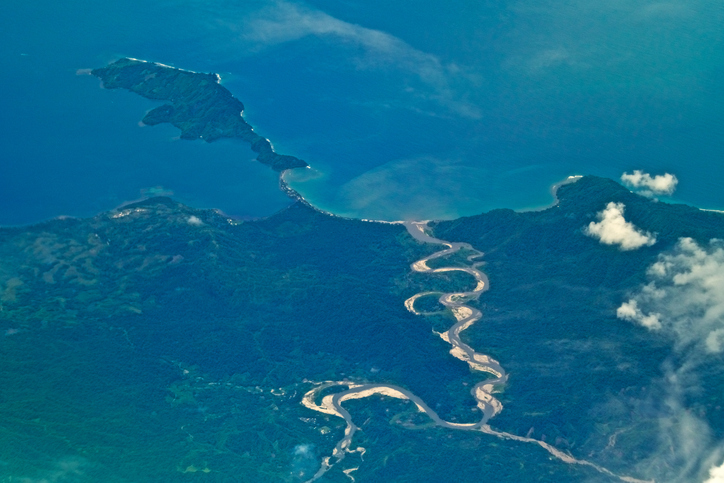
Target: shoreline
column 195, row 103
column 554, row 192
column 295, row 195
column 280, row 163
column 553, row 189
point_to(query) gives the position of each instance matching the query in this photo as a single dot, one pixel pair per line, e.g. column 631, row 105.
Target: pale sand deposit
column 465, row 317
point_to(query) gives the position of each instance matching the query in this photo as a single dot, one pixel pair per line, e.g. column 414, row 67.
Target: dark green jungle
column 197, row 105
column 158, row 342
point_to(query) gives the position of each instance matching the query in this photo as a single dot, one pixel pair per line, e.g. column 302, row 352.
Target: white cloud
column 631, row 311
column 304, row 463
column 303, row 450
column 285, row 22
column 661, row 184
column 194, row 220
column 715, row 340
column 684, row 299
column 716, row 474
column 687, row 446
column 685, row 296
column 613, row 229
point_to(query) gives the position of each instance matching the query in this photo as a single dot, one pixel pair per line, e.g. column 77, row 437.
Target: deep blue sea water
column 424, row 109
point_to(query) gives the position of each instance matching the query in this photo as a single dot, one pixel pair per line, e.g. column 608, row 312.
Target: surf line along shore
column 482, row 392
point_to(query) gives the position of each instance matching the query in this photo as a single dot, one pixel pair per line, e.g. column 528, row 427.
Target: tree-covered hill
column 158, row 342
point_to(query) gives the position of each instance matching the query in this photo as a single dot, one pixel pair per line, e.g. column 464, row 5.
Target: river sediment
column 483, row 392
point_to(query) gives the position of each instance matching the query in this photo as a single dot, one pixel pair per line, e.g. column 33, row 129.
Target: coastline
column 296, row 196
column 554, row 192
column 158, row 81
column 196, row 103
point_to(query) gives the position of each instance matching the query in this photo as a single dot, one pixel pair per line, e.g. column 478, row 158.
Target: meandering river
column 483, row 392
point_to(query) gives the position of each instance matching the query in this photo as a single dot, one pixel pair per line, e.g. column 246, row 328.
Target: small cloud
column 661, row 184
column 715, row 341
column 613, row 229
column 194, row 220
column 631, row 311
column 304, row 462
column 304, row 450
column 716, row 474
column 549, row 58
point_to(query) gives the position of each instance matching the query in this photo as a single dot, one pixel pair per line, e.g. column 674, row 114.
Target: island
column 196, row 104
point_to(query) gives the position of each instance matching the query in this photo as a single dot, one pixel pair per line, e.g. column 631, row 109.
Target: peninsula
column 197, row 104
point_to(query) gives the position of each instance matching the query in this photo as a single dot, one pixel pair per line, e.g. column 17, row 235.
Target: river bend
column 483, row 392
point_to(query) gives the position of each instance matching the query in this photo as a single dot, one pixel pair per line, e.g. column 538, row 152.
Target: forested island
column 197, row 104
column 158, row 342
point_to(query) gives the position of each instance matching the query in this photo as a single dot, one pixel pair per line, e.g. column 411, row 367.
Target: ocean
column 424, row 110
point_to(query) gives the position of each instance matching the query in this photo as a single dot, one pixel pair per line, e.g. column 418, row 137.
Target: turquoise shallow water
column 434, row 111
